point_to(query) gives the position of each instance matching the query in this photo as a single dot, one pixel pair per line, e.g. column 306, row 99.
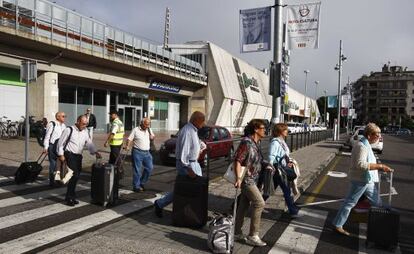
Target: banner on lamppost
column 332, row 101
column 302, row 26
column 346, row 100
column 255, row 29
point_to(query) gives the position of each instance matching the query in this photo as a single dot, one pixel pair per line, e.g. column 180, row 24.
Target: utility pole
column 277, row 59
column 339, row 68
column 306, row 90
column 326, row 119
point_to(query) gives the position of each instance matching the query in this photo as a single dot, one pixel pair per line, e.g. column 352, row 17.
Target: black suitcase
column 383, row 224
column 102, row 184
column 190, row 202
column 29, row 171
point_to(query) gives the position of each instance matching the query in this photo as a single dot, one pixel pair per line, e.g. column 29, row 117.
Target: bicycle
column 8, row 129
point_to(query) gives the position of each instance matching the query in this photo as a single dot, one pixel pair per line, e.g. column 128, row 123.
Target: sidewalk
column 142, row 232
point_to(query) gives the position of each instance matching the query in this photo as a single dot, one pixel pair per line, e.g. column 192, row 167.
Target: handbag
column 230, row 175
column 64, row 173
column 287, row 172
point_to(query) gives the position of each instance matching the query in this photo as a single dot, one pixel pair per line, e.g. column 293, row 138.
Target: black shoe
column 140, row 189
column 70, row 202
column 52, row 182
column 75, row 201
column 158, row 210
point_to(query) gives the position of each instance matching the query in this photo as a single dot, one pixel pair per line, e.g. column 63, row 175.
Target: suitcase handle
column 40, row 159
column 379, row 187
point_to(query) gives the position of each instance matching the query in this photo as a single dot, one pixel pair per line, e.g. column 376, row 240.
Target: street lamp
column 338, row 68
column 326, row 119
column 316, row 96
column 306, row 89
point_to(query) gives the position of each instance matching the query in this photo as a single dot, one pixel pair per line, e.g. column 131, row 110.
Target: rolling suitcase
column 190, row 202
column 102, row 184
column 28, row 171
column 383, row 224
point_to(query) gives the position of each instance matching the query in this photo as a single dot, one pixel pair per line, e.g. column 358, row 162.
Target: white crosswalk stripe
column 40, row 238
column 302, row 234
column 15, row 187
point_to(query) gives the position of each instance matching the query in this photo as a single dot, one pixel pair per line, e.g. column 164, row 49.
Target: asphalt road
column 327, row 190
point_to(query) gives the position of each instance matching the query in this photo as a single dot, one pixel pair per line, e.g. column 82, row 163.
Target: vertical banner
column 302, row 27
column 332, row 101
column 346, row 101
column 255, row 29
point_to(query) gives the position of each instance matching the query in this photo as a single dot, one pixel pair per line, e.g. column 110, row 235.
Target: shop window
column 384, row 110
column 84, row 96
column 112, row 99
column 67, row 94
column 401, row 110
column 123, row 98
column 99, row 97
column 136, row 101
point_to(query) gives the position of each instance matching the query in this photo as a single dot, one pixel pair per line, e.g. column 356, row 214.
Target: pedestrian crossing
column 31, row 221
column 26, row 227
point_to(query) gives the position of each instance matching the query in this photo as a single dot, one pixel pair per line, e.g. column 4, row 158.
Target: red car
column 218, row 140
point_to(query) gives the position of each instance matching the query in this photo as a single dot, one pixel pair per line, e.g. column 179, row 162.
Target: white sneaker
column 240, row 237
column 255, row 241
column 298, row 215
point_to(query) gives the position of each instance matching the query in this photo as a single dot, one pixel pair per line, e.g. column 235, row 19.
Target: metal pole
column 26, row 143
column 277, row 57
column 316, row 97
column 339, row 91
column 325, row 109
column 306, row 90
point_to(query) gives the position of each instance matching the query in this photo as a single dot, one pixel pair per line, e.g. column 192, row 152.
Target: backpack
column 41, row 134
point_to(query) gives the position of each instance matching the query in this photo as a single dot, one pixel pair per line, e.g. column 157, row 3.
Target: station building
column 85, row 63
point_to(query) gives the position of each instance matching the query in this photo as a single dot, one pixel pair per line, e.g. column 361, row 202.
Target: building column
column 44, row 96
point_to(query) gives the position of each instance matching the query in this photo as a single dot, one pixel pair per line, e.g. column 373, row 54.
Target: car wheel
column 230, row 155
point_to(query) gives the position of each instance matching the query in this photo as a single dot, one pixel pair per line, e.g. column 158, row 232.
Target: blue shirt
column 277, row 151
column 187, row 150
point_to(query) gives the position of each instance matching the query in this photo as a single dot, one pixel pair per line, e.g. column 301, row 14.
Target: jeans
column 169, row 196
column 250, row 196
column 356, row 191
column 141, row 158
column 90, row 132
column 51, row 154
column 287, row 194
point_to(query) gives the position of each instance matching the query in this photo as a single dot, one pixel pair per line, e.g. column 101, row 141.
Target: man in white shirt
column 141, row 156
column 187, row 151
column 53, row 132
column 69, row 149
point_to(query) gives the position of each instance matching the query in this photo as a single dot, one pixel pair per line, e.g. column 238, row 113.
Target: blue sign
column 165, row 87
column 332, row 101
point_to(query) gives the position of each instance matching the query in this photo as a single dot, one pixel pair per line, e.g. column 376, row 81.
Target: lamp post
column 326, row 119
column 338, row 67
column 316, row 96
column 306, row 90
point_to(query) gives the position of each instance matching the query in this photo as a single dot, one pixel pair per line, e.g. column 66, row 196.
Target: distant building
column 384, row 97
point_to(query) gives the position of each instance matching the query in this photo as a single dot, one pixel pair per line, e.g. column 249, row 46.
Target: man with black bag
column 70, row 148
column 54, row 130
column 191, row 189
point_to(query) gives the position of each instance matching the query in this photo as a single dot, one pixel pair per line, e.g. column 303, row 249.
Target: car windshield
column 360, row 132
column 291, row 124
column 204, row 132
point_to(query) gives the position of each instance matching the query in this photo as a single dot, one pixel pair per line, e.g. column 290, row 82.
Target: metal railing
column 53, row 24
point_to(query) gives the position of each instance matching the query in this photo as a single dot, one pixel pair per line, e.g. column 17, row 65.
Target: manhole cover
column 337, row 174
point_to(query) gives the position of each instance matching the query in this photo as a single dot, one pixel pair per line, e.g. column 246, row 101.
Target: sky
column 374, row 32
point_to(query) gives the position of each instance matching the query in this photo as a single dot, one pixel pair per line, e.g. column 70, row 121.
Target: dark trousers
column 74, row 162
column 115, row 151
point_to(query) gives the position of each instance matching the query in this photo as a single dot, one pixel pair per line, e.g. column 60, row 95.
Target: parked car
column 359, row 133
column 218, row 139
column 356, row 127
column 293, row 127
column 403, row 132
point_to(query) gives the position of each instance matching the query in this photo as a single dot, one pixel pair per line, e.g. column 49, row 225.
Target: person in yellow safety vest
column 115, row 137
column 115, row 140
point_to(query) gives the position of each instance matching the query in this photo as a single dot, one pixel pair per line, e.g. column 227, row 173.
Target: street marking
column 16, row 187
column 39, row 195
column 346, row 153
column 393, row 192
column 302, row 235
column 337, row 174
column 319, row 187
column 40, row 238
column 4, row 179
column 362, row 247
column 44, row 211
